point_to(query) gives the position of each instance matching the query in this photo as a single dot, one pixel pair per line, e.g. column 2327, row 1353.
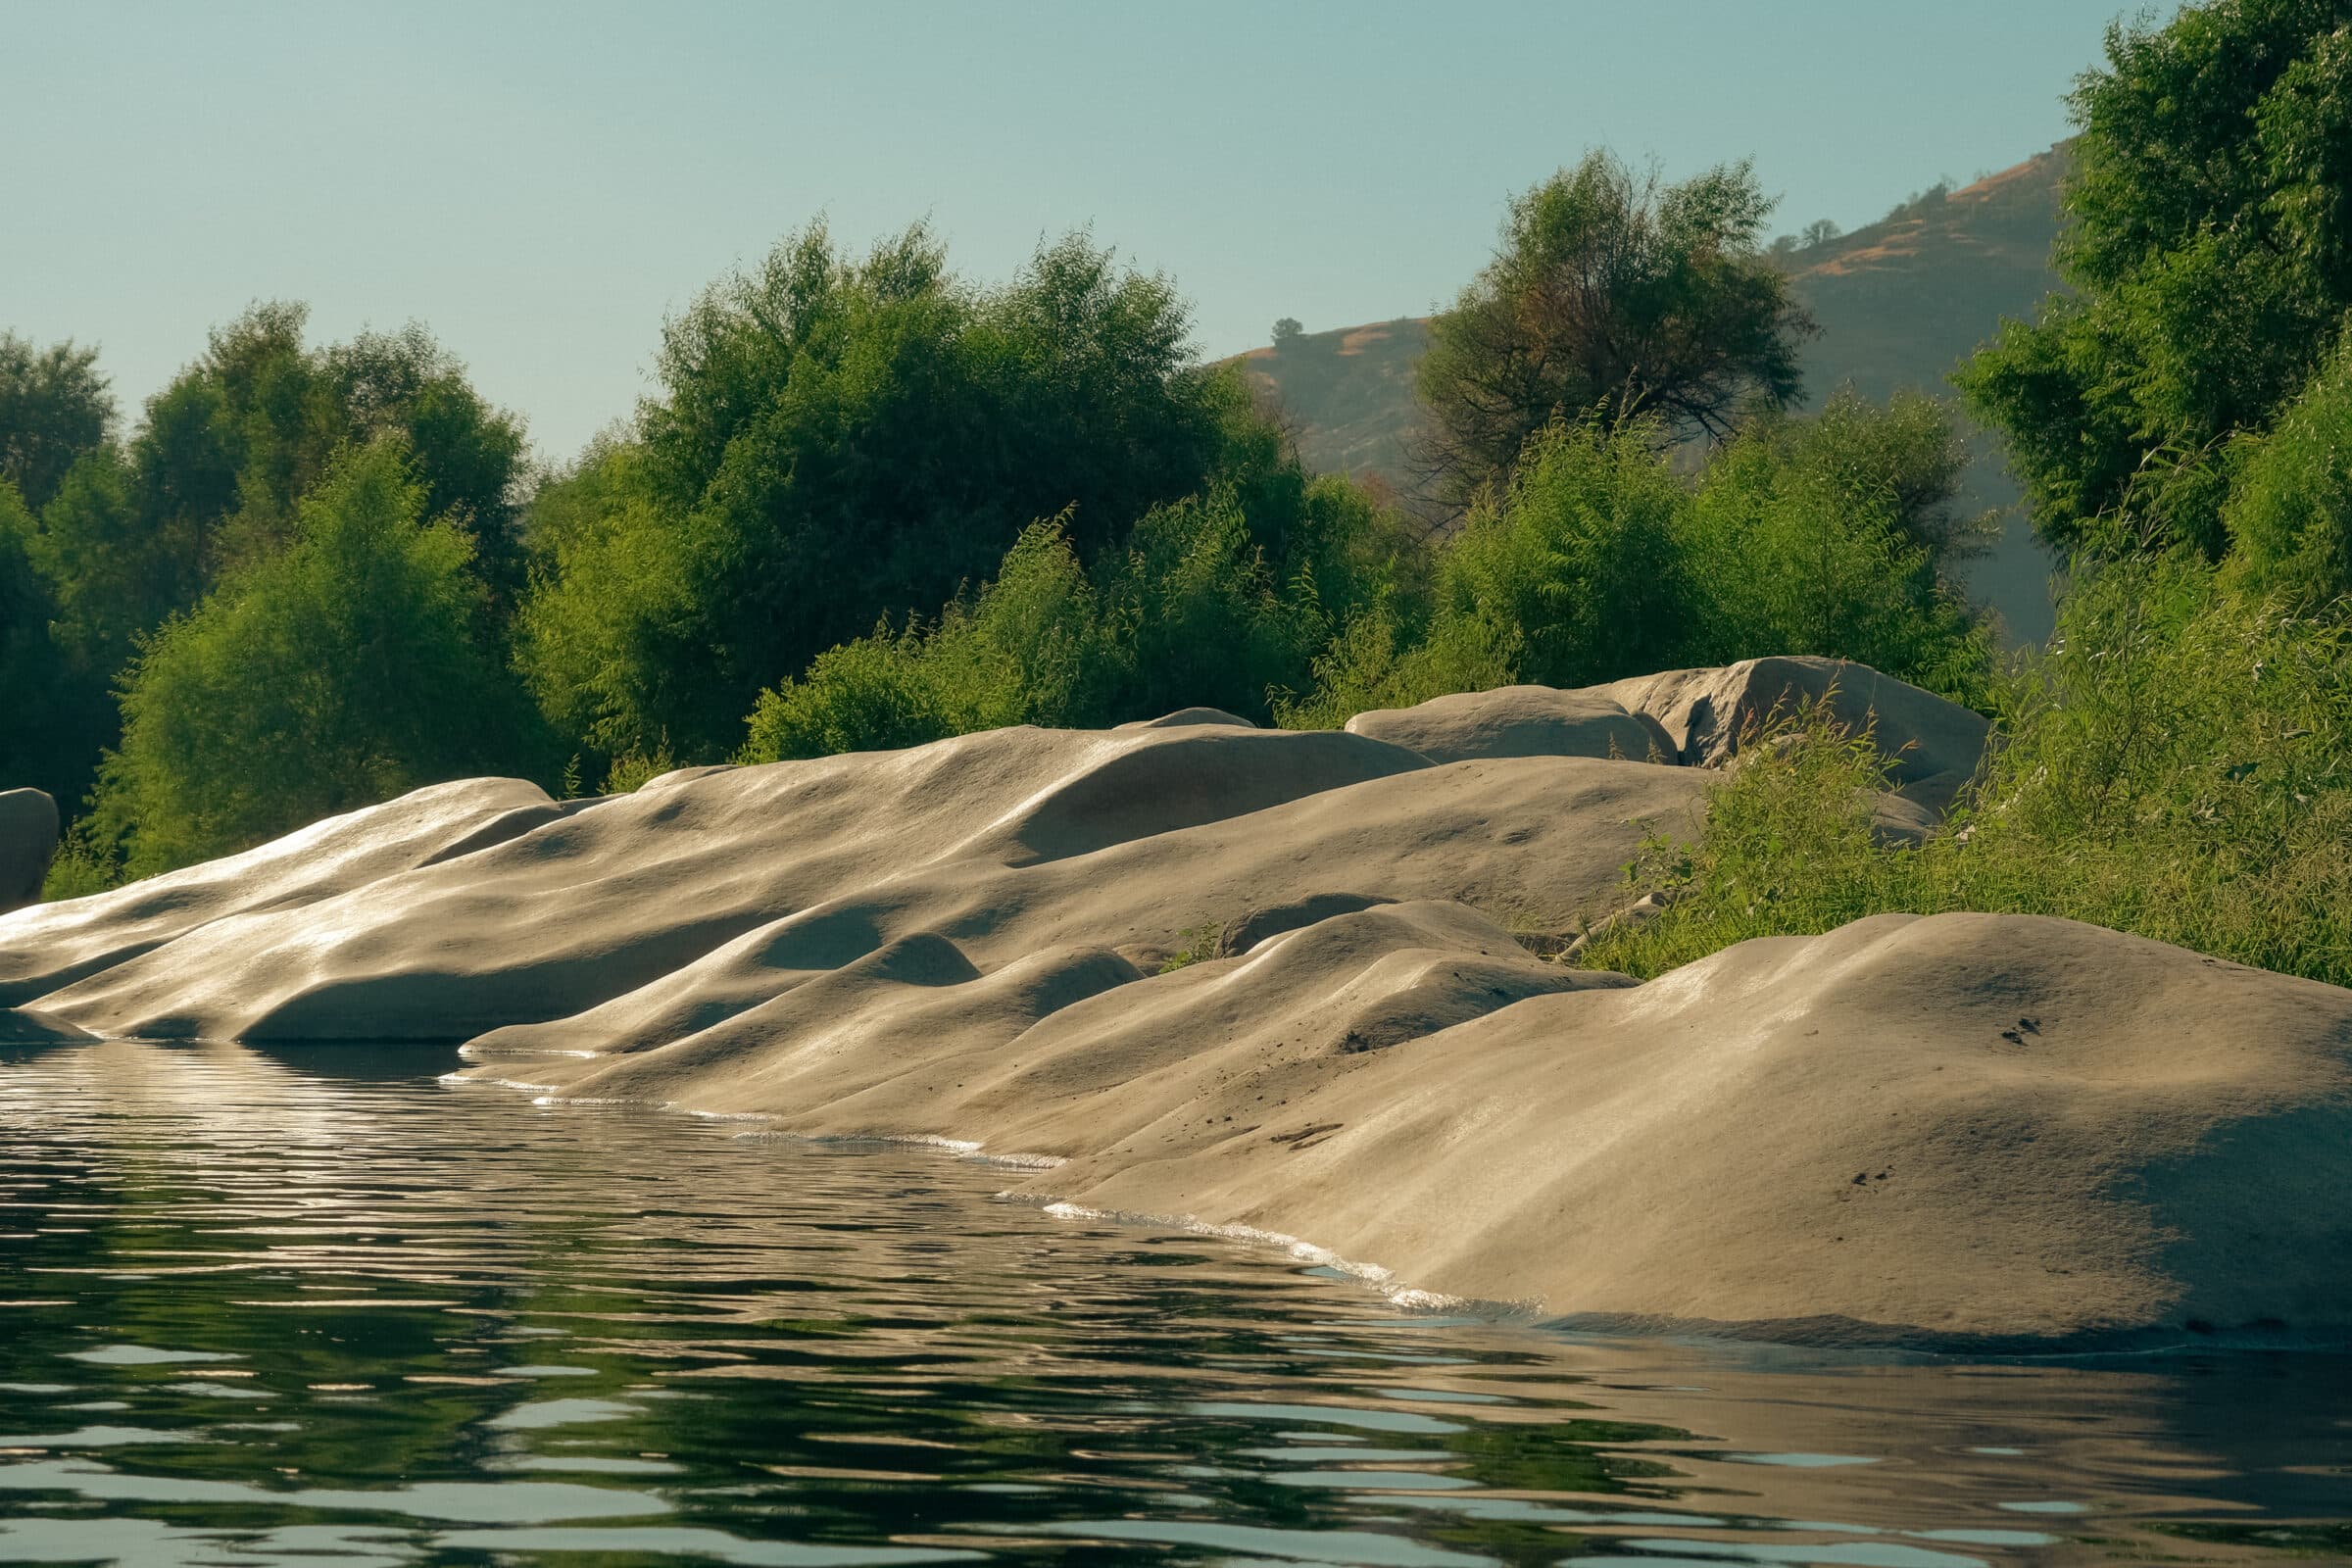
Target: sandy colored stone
column 21, row 1026
column 1934, row 746
column 29, row 830
column 661, row 910
column 49, row 946
column 1519, row 722
column 1191, row 715
column 1965, row 1129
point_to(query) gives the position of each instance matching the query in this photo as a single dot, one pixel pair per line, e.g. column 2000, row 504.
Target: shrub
column 841, row 440
column 1789, row 849
column 1830, row 535
column 1602, row 560
column 1577, row 565
column 1027, row 649
column 2178, row 764
column 1189, row 612
column 631, row 771
column 341, row 672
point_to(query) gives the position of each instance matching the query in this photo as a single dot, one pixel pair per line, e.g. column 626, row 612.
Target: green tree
column 1576, row 567
column 1830, row 535
column 2208, row 266
column 1192, row 611
column 57, row 710
column 212, row 480
column 54, row 407
column 336, row 672
column 116, row 569
column 1602, row 560
column 843, row 440
column 1609, row 288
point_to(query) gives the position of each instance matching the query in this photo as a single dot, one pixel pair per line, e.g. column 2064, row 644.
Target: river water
column 315, row 1306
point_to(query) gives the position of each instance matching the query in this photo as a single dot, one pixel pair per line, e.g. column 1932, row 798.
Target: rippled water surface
column 314, row 1306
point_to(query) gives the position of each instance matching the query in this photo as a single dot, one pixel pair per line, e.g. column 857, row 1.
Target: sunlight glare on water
column 313, row 1307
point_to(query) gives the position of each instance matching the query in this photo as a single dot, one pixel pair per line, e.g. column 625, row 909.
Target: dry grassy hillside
column 1900, row 303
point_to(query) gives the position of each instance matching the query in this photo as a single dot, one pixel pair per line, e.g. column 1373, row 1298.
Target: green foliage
column 1579, row 565
column 1200, row 946
column 336, row 673
column 2207, row 253
column 54, row 407
column 131, row 533
column 1188, row 613
column 1789, row 850
column 51, row 700
column 80, row 869
column 1830, row 535
column 230, row 447
column 117, row 568
column 841, row 441
column 1609, row 289
column 631, row 772
column 1396, row 653
column 2178, row 764
column 2290, row 509
column 1029, row 647
column 1603, row 559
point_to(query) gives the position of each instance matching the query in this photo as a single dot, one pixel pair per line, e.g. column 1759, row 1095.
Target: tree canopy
column 340, row 670
column 54, row 407
column 2208, row 264
column 1610, row 288
column 132, row 531
column 841, row 439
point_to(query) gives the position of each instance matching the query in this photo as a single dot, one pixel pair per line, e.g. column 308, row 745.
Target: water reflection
column 310, row 1307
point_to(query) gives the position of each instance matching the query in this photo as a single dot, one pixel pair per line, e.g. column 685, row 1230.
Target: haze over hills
column 1900, row 303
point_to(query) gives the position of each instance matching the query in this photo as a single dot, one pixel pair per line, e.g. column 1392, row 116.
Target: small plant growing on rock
column 1199, row 942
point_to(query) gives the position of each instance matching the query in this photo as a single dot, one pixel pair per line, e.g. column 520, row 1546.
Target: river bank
column 1295, row 983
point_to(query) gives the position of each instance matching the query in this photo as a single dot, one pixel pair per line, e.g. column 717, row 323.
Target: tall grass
column 2178, row 764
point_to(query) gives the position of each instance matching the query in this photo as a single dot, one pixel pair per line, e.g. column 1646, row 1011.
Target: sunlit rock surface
column 1284, row 982
column 27, row 841
column 1933, row 745
column 1520, row 722
column 47, row 946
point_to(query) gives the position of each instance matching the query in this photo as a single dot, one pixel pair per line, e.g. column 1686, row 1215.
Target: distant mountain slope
column 1900, row 303
column 1349, row 395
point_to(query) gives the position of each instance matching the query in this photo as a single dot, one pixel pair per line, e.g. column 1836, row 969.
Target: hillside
column 1900, row 302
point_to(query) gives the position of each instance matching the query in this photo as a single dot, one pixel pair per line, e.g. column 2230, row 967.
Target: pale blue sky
column 541, row 183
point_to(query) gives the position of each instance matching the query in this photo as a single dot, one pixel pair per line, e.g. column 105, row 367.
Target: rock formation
column 1934, row 746
column 1967, row 1129
column 1520, row 722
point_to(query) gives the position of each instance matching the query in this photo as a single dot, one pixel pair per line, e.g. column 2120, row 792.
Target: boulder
column 21, row 1026
column 1248, row 930
column 1519, row 722
column 1934, row 746
column 1191, row 715
column 28, row 829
